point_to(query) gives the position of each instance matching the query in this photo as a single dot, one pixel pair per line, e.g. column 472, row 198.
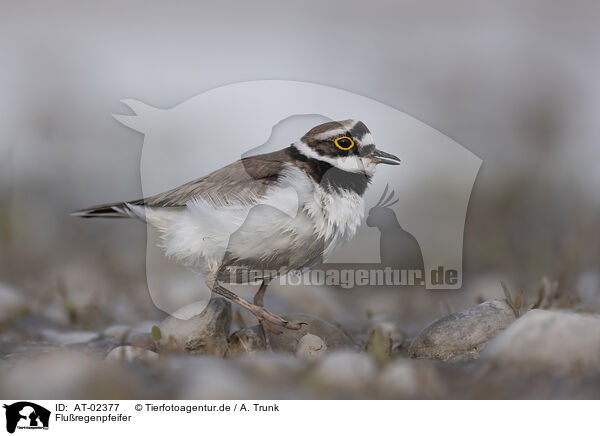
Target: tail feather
column 113, row 210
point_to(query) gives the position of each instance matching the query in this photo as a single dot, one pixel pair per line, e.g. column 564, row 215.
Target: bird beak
column 381, row 157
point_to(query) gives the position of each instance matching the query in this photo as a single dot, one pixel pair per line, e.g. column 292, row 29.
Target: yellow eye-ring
column 344, row 143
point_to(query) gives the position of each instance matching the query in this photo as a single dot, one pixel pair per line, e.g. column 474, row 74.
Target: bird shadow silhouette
column 398, row 249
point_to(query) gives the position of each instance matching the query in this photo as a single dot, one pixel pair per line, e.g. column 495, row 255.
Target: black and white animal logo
column 26, row 415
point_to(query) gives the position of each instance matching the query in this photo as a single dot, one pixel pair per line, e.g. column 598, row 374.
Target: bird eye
column 344, row 143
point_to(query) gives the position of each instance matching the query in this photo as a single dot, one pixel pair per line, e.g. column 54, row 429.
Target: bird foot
column 270, row 321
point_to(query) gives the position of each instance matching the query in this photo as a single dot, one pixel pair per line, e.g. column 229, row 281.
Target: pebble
column 344, row 370
column 541, row 340
column 98, row 347
column 310, row 348
column 462, row 333
column 211, row 378
column 68, row 338
column 65, row 374
column 407, row 379
column 272, row 367
column 130, row 353
column 202, row 334
column 12, row 303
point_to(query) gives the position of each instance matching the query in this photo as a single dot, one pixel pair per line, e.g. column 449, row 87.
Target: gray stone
column 352, row 324
column 211, row 378
column 68, row 338
column 407, row 378
column 272, row 367
column 462, row 333
column 65, row 374
column 344, row 370
column 29, row 328
column 98, row 347
column 310, row 348
column 560, row 342
column 202, row 334
column 399, row 379
column 12, row 303
column 588, row 286
column 129, row 353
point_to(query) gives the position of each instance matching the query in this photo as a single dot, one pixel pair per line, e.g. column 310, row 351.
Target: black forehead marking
column 358, row 130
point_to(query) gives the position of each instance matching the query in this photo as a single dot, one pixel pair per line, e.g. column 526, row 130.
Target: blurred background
column 515, row 82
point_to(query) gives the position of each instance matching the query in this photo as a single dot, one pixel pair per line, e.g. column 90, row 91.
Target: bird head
column 347, row 145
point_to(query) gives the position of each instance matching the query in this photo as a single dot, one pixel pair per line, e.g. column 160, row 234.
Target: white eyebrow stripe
column 347, row 125
column 351, row 163
column 310, row 153
column 366, row 139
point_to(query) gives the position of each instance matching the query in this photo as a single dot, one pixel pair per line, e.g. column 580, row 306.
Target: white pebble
column 129, row 353
column 310, row 347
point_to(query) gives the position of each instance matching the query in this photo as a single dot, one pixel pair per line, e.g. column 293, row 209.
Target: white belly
column 296, row 225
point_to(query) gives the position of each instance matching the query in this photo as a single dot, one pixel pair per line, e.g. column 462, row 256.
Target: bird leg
column 260, row 294
column 259, row 312
column 259, row 301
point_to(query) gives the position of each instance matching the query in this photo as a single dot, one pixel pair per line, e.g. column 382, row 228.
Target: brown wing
column 242, row 180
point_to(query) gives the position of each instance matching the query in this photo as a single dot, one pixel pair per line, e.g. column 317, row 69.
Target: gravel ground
column 499, row 348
